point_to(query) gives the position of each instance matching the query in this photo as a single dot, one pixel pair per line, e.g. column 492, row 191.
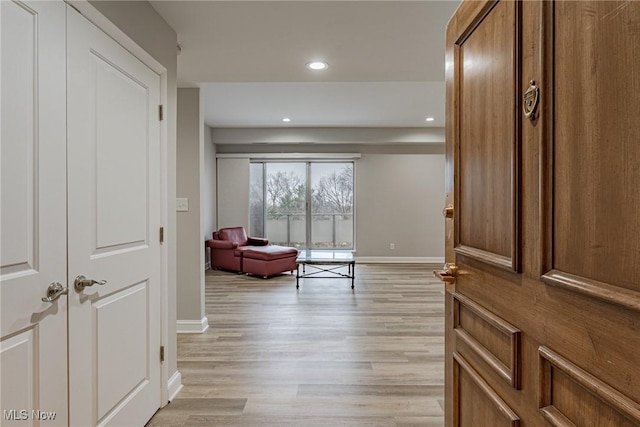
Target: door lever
column 54, row 291
column 448, row 274
column 447, row 212
column 82, row 282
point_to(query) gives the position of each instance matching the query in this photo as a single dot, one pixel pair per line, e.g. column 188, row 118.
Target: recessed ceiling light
column 317, row 65
column 430, row 119
column 286, row 120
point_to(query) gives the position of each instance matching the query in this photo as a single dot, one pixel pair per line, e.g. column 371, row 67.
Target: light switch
column 182, row 204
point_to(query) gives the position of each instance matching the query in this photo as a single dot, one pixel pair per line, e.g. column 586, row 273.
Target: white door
column 114, row 220
column 33, row 253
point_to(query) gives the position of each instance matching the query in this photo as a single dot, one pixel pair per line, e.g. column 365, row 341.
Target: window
column 303, row 204
column 256, row 200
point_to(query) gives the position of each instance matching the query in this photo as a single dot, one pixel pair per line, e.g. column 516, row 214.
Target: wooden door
column 543, row 310
column 114, row 222
column 33, row 343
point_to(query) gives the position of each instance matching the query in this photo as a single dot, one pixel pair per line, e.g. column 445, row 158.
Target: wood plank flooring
column 323, row 356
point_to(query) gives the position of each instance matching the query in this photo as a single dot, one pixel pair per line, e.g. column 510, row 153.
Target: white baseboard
column 175, row 385
column 399, row 260
column 192, row 326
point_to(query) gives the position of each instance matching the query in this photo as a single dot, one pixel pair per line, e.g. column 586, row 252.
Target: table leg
column 298, row 276
column 353, row 274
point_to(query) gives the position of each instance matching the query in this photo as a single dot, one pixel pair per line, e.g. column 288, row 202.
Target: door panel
column 127, row 369
column 475, row 402
column 596, row 156
column 570, row 394
column 114, row 221
column 19, row 380
column 482, row 335
column 570, row 314
column 19, row 189
column 121, row 181
column 33, row 347
column 487, row 150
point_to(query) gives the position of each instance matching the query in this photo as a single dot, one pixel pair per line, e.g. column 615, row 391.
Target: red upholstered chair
column 224, row 245
column 231, row 249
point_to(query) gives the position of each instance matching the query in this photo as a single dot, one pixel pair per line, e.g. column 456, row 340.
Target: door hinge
column 161, row 235
column 161, row 353
column 161, row 112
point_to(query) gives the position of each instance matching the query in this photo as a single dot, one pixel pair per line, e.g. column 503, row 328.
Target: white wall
column 208, row 186
column 399, row 200
column 146, row 27
column 190, row 223
column 399, row 196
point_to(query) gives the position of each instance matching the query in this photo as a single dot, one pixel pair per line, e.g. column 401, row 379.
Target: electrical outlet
column 392, row 246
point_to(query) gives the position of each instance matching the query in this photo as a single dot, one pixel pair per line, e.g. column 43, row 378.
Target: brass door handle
column 448, row 274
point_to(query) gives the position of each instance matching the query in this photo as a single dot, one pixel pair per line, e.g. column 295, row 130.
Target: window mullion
column 308, row 207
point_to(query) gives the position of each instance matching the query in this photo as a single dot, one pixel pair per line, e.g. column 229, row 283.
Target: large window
column 303, row 204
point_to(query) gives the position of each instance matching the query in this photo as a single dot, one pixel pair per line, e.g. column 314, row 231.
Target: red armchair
column 231, row 249
column 224, row 244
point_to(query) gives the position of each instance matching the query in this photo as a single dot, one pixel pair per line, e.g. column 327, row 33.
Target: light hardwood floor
column 323, row 356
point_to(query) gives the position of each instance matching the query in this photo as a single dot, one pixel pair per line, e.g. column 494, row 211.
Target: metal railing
column 336, row 236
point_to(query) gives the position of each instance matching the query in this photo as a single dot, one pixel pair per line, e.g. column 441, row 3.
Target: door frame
column 103, row 23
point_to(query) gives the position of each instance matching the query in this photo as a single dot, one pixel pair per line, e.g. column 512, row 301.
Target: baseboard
column 175, row 385
column 192, row 326
column 399, row 260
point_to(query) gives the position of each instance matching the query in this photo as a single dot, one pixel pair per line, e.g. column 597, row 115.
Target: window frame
column 308, row 244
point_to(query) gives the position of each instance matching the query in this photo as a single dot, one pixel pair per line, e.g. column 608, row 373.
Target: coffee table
column 325, row 262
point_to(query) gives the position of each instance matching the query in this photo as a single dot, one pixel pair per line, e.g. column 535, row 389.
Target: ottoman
column 267, row 261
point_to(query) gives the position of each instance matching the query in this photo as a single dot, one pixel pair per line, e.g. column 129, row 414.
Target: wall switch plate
column 182, row 204
column 392, row 246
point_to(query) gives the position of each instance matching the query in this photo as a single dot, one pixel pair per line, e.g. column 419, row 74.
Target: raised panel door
column 33, row 343
column 114, row 223
column 548, row 332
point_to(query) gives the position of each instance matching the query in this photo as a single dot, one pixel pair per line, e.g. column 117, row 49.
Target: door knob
column 448, row 273
column 54, row 291
column 82, row 282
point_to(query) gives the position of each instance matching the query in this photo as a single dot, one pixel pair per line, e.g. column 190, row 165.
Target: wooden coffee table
column 325, row 262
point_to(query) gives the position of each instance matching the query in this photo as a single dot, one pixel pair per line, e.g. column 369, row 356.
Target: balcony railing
column 328, row 230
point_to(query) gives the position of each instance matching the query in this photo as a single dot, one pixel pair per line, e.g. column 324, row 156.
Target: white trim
column 290, row 156
column 207, row 265
column 96, row 17
column 193, row 326
column 399, row 260
column 166, row 203
column 175, row 385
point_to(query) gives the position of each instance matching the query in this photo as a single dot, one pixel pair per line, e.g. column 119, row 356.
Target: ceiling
column 386, row 61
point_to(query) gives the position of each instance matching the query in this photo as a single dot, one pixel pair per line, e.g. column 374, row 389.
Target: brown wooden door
column 543, row 311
